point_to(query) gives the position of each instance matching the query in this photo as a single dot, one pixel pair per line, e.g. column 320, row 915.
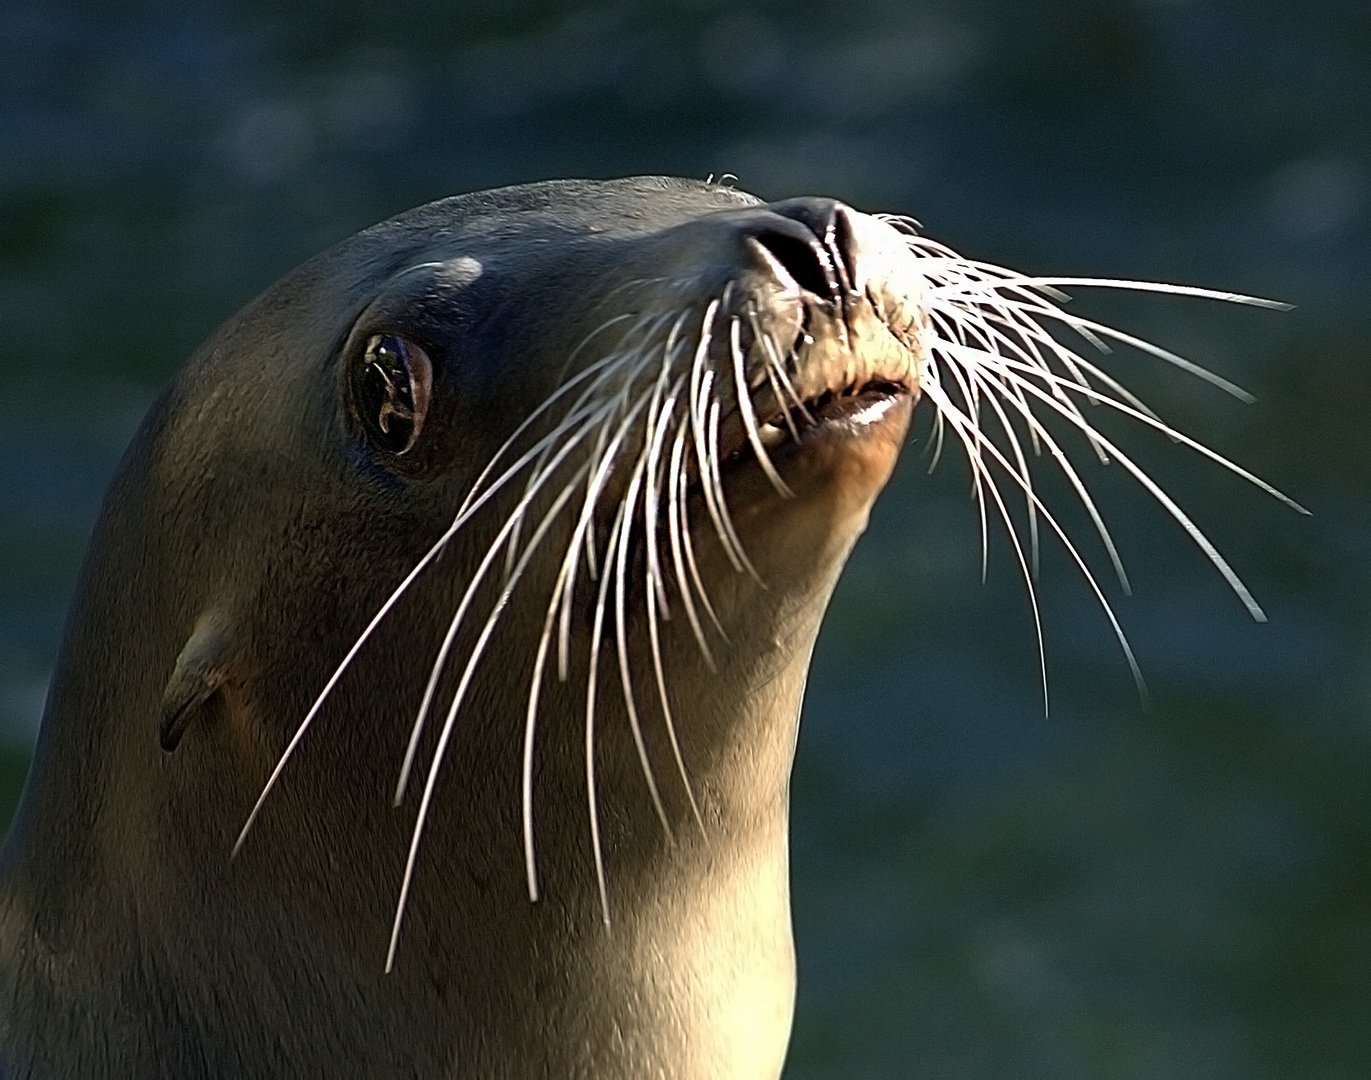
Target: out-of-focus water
column 1111, row 891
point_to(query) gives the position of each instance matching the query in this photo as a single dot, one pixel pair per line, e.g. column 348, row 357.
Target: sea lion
column 532, row 499
column 708, row 392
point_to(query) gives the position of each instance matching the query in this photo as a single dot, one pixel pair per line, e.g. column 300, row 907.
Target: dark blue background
column 1110, row 891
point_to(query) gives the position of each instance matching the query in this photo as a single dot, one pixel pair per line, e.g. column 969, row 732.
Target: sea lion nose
column 831, row 250
column 803, row 239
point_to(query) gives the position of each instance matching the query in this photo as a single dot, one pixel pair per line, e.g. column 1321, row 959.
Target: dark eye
column 391, row 388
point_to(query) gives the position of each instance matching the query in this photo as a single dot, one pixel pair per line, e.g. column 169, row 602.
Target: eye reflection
column 391, row 390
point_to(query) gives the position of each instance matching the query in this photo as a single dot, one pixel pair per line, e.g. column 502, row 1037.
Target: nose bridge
column 827, row 221
column 784, row 262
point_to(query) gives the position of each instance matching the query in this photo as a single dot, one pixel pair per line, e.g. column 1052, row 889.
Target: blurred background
column 1180, row 889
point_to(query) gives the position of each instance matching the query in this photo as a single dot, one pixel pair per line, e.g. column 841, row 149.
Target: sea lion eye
column 391, row 388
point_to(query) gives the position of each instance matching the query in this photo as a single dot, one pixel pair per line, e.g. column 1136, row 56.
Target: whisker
column 1024, row 566
column 781, row 385
column 970, row 394
column 558, row 614
column 1013, row 394
column 656, row 591
column 505, row 538
column 592, row 677
column 975, row 325
column 683, row 552
column 723, row 520
column 661, row 412
column 449, row 724
column 1196, row 535
column 617, row 366
column 701, row 383
column 964, row 290
column 966, row 428
column 473, row 502
column 601, row 367
column 624, row 528
column 749, row 416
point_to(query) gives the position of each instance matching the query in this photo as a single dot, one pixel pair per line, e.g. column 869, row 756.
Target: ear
column 200, row 671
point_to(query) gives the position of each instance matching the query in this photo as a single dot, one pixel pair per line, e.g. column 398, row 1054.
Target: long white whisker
column 503, row 537
column 1011, row 278
column 449, row 724
column 981, row 331
column 682, row 551
column 560, row 604
column 1024, row 567
column 1028, row 346
column 1046, row 310
column 1185, row 440
column 659, row 673
column 967, row 429
column 1196, row 535
column 625, row 526
column 656, row 591
column 723, row 520
column 704, row 457
column 468, row 509
column 583, row 541
column 592, row 678
column 970, row 394
column 782, row 385
column 749, row 416
column 640, row 334
column 599, row 368
column 1010, row 390
column 660, row 418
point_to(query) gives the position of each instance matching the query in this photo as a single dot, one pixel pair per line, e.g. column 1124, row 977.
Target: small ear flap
column 200, row 671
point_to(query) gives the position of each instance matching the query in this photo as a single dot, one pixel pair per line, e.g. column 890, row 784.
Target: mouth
column 853, row 412
column 856, row 406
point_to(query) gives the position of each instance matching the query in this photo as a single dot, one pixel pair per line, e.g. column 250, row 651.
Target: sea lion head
column 479, row 561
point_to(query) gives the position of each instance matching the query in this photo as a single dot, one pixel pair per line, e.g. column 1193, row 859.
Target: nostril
column 830, row 225
column 804, row 259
